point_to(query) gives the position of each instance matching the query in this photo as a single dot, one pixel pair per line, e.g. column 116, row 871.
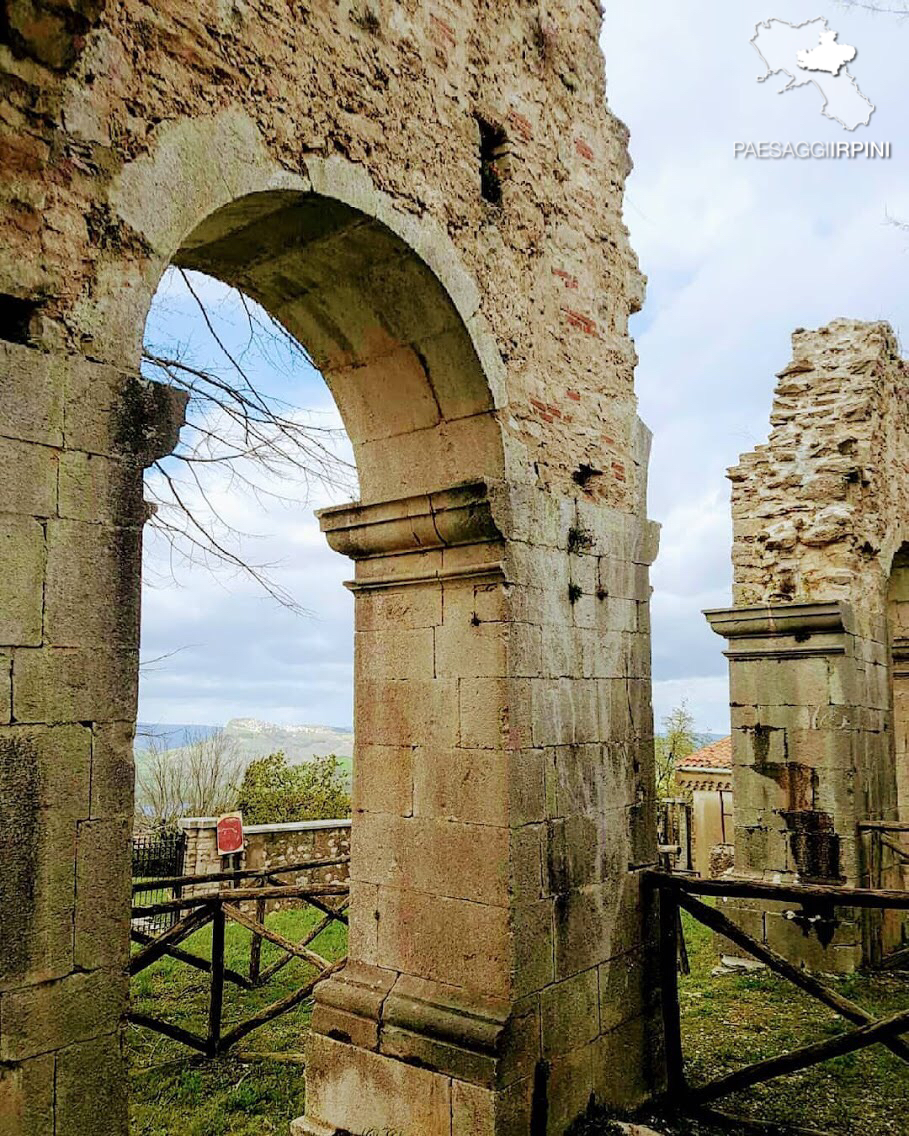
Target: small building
column 706, row 777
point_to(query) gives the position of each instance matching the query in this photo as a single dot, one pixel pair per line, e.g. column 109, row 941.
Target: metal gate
column 157, row 855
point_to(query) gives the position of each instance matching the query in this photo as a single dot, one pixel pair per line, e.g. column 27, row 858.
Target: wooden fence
column 676, row 894
column 196, row 911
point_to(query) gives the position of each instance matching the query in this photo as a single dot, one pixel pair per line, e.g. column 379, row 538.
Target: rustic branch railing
column 676, row 894
column 194, row 912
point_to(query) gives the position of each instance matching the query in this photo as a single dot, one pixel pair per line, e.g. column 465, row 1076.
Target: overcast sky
column 738, row 254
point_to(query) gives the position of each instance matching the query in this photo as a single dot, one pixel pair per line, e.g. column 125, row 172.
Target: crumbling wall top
column 820, row 510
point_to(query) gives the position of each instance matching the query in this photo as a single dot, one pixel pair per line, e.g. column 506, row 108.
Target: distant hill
column 254, row 738
column 299, row 743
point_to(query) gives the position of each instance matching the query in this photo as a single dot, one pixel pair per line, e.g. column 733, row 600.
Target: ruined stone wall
column 818, row 512
column 268, row 846
column 395, row 87
column 467, row 301
column 819, row 515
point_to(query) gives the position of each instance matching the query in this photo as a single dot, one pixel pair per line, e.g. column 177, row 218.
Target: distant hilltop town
column 254, row 738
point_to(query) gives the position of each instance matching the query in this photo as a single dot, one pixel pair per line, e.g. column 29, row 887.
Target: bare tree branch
column 199, row 778
column 263, row 446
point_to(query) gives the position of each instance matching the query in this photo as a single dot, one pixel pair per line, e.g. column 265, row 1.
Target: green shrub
column 272, row 790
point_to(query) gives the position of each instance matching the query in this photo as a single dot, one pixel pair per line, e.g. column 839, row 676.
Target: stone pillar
column 898, row 620
column 812, row 757
column 74, row 437
column 503, row 802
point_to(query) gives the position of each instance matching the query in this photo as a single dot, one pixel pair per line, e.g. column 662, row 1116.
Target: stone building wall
column 268, row 846
column 429, row 196
column 819, row 518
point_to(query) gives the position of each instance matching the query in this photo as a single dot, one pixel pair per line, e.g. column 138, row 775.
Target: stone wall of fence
column 268, row 846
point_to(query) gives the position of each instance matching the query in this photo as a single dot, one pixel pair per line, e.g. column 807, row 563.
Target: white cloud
column 738, row 255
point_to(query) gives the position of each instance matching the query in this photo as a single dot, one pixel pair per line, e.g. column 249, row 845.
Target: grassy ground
column 733, row 1020
column 175, row 1094
column 727, row 1021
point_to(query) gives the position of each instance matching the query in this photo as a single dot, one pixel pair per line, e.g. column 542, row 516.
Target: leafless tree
column 199, row 778
column 268, row 448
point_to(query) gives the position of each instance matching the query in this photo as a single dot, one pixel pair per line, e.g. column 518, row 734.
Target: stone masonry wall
column 818, row 511
column 429, row 196
column 819, row 515
column 268, row 846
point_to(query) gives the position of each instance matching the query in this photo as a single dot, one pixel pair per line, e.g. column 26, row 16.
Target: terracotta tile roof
column 718, row 755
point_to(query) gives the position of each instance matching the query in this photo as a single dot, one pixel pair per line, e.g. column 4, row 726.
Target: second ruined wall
column 818, row 521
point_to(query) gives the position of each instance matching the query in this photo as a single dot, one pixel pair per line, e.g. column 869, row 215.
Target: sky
column 738, row 253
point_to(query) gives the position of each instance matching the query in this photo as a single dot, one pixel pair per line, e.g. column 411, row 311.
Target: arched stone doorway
column 478, row 353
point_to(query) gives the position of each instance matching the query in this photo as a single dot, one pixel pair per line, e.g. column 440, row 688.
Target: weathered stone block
column 27, row 1097
column 113, row 770
column 28, row 478
column 37, row 872
column 570, row 1085
column 394, row 655
column 565, row 712
column 471, row 649
column 384, row 778
column 31, row 406
column 464, row 784
column 371, row 411
column 406, row 607
column 95, row 488
column 570, row 1014
column 350, row 1086
column 90, row 1084
column 6, row 688
column 407, row 713
column 92, row 590
column 111, row 412
column 439, row 857
column 485, row 600
column 533, row 925
column 594, row 924
column 415, row 936
column 585, row 849
column 23, row 553
column 59, row 684
column 54, row 1015
column 484, row 712
column 628, row 1083
column 626, row 987
column 103, row 893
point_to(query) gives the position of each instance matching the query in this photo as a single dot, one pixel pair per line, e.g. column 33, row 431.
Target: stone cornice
column 446, row 519
column 706, row 780
column 790, row 630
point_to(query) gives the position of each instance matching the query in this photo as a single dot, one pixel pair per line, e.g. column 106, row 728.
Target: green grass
column 733, row 1020
column 727, row 1021
column 174, row 1093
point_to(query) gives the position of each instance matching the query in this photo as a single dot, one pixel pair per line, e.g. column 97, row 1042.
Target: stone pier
column 816, row 637
column 428, row 197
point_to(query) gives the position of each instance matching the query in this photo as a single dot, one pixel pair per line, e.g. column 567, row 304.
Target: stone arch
column 378, row 298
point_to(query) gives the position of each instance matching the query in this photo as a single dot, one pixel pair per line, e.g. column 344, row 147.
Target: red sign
column 230, row 834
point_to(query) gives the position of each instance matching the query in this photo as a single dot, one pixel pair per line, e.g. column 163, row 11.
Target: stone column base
column 403, row 1056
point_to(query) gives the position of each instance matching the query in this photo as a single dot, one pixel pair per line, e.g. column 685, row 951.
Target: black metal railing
column 156, row 855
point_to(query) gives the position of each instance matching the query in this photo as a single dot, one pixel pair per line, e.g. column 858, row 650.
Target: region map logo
column 810, row 55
